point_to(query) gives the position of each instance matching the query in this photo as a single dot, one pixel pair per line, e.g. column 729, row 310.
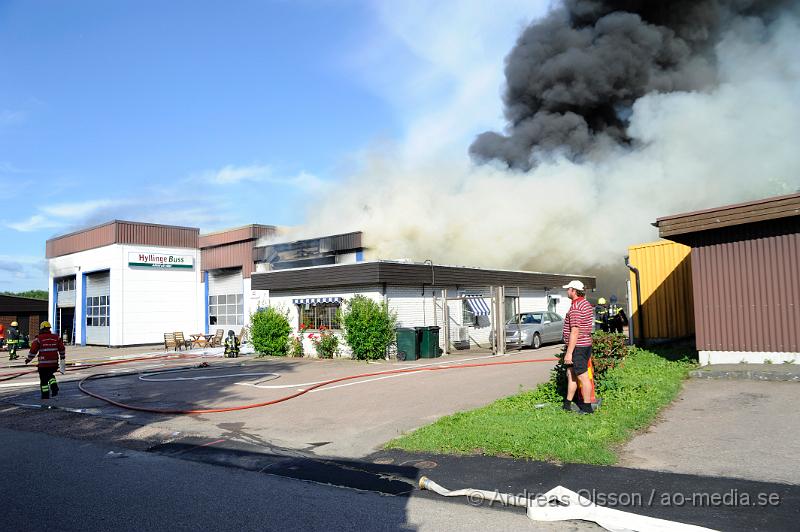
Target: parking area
column 724, row 428
column 349, row 418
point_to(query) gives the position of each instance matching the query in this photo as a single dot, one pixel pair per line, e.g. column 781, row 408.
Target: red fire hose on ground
column 78, row 366
column 81, row 386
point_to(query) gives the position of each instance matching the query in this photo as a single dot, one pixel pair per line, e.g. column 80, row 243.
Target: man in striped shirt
column 577, row 334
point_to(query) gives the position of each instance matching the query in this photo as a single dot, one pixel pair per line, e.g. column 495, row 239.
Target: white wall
column 78, row 264
column 736, row 357
column 415, row 308
column 145, row 302
column 346, row 258
column 282, row 300
column 156, row 300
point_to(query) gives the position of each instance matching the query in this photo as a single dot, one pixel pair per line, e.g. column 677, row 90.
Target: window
column 317, row 316
column 97, row 311
column 65, row 285
column 226, row 309
column 555, row 317
column 468, row 318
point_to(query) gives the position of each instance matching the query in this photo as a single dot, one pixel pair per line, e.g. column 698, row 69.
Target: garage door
column 65, row 292
column 98, row 305
column 225, row 300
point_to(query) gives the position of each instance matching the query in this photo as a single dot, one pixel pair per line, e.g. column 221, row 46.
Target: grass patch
column 633, row 394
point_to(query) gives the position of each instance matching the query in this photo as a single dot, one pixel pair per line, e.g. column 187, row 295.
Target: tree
column 32, row 294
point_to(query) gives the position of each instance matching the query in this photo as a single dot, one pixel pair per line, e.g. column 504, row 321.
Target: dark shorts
column 580, row 359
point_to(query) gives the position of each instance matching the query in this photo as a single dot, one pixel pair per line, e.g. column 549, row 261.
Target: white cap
column 577, row 285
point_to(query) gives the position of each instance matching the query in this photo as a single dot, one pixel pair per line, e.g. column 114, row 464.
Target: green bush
column 296, row 346
column 270, row 331
column 608, row 352
column 369, row 328
column 326, row 343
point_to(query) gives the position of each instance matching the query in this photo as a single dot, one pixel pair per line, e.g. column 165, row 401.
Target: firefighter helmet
column 44, row 325
column 601, row 301
column 14, row 324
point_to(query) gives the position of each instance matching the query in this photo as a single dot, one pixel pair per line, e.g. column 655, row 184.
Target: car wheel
column 536, row 341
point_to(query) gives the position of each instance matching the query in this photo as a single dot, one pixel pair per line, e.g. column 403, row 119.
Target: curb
column 743, row 374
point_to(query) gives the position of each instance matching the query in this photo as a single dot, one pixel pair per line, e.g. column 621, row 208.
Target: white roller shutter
column 65, row 292
column 225, row 282
column 98, row 307
column 225, row 300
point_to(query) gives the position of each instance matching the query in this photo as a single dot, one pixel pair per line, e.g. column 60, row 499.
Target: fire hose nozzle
column 423, row 482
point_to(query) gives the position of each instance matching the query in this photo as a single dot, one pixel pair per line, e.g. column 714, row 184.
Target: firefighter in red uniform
column 52, row 353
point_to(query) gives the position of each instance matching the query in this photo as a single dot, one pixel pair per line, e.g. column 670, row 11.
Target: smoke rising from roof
column 573, row 77
column 720, row 125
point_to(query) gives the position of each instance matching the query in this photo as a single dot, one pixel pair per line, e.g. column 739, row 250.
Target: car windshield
column 525, row 318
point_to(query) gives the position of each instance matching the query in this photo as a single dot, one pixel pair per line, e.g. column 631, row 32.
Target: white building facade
column 106, row 290
column 128, row 283
column 417, row 293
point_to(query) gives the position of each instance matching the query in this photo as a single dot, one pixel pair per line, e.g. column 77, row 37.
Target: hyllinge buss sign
column 154, row 260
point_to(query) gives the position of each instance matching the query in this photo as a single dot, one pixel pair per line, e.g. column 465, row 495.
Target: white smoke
column 736, row 141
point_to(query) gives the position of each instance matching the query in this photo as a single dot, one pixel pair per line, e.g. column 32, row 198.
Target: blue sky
column 217, row 114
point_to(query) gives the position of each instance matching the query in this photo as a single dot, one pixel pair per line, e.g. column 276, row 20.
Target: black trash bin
column 407, row 343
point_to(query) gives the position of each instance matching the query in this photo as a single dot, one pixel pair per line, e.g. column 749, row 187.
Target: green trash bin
column 428, row 342
column 407, row 344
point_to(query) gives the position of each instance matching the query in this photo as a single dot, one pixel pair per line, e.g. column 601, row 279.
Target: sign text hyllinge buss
column 156, row 260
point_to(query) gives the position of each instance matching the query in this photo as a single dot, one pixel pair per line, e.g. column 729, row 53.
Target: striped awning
column 312, row 301
column 477, row 305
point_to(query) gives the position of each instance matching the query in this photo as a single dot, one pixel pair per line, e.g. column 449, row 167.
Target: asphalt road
column 59, row 484
column 347, row 419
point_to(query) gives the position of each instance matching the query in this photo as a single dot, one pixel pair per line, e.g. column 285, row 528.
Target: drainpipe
column 639, row 326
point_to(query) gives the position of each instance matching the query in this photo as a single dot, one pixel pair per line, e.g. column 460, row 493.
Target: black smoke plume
column 572, row 77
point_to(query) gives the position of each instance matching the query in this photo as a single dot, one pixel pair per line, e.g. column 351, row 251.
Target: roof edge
column 112, row 222
column 728, row 207
column 231, row 229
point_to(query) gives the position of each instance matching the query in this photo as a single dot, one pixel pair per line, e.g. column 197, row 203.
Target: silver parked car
column 533, row 329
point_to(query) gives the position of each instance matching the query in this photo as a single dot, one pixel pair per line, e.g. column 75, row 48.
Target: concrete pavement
column 729, row 428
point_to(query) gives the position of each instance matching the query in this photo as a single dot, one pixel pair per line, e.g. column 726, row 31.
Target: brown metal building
column 122, row 232
column 745, row 277
column 27, row 312
column 233, row 248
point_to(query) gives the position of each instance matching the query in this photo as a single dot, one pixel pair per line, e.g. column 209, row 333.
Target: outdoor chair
column 242, row 336
column 216, row 341
column 181, row 341
column 169, row 341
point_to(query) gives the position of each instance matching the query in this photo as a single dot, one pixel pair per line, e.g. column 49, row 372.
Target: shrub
column 326, row 343
column 296, row 346
column 369, row 328
column 608, row 351
column 269, row 331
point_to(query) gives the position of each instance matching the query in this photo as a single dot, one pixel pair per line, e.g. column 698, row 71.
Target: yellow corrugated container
column 665, row 270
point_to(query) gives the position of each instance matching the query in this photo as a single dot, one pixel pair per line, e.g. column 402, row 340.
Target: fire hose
column 176, row 411
column 77, row 366
column 561, row 504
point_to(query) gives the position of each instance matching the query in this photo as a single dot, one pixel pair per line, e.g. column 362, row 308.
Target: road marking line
column 306, row 384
